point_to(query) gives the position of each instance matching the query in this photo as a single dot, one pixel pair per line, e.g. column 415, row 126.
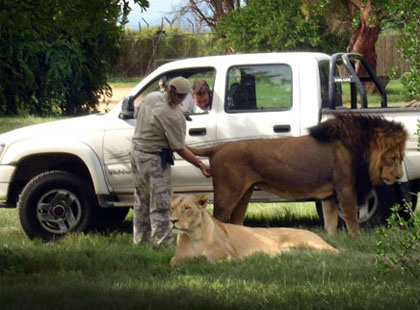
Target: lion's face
column 186, row 212
column 386, row 164
column 392, row 167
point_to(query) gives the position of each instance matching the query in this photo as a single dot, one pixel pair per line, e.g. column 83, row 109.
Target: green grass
column 13, row 122
column 394, row 91
column 124, row 82
column 106, row 271
column 273, row 96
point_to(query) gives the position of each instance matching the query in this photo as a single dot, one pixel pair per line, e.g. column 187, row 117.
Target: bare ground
column 117, row 95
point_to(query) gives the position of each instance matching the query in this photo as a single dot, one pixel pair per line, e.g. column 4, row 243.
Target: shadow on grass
column 293, row 222
column 125, row 227
column 258, row 215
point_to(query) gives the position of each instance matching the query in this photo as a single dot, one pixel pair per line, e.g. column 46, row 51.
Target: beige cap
column 181, row 85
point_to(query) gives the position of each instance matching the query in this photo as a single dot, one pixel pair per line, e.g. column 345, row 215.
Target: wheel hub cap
column 59, row 211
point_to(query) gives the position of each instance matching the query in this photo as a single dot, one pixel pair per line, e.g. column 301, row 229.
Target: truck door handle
column 197, row 131
column 281, row 128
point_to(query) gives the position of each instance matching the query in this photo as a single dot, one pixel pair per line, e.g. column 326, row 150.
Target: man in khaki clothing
column 160, row 129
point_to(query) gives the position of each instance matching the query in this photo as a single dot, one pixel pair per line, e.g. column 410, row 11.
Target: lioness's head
column 187, row 212
column 386, row 156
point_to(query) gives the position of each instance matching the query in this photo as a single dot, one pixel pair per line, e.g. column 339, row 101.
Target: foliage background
column 278, row 25
column 407, row 14
column 55, row 56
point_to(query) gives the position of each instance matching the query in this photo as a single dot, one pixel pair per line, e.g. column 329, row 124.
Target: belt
column 143, row 151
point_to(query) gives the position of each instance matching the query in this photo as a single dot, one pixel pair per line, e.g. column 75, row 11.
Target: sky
column 153, row 15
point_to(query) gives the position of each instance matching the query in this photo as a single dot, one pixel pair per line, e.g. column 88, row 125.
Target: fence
column 389, row 55
column 140, row 55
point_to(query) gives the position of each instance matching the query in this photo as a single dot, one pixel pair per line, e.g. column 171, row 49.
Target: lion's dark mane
column 355, row 131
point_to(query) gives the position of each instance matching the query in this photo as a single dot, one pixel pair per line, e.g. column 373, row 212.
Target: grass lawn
column 394, row 91
column 9, row 123
column 124, row 82
column 106, row 271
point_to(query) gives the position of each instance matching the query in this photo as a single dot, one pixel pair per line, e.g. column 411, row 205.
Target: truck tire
column 377, row 206
column 55, row 203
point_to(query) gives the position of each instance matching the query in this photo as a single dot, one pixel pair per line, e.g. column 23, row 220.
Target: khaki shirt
column 159, row 125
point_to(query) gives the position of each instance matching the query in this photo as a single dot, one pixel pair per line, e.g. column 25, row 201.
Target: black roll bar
column 348, row 60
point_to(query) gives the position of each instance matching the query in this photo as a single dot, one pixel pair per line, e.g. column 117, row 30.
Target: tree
column 367, row 16
column 363, row 17
column 408, row 13
column 55, row 55
column 208, row 12
column 276, row 25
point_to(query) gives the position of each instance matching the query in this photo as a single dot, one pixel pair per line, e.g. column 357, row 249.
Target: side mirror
column 187, row 116
column 127, row 108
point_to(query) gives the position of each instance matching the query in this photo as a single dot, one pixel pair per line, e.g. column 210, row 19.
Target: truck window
column 160, row 82
column 258, row 88
column 324, row 73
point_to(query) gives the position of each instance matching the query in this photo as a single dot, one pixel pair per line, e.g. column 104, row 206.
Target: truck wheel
column 376, row 208
column 55, row 203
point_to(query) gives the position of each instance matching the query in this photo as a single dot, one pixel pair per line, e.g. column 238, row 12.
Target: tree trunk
column 363, row 41
column 365, row 35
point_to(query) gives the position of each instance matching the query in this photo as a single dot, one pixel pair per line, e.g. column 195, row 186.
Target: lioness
column 201, row 235
column 338, row 162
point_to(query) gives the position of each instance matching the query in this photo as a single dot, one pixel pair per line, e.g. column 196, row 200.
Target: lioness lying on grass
column 201, row 235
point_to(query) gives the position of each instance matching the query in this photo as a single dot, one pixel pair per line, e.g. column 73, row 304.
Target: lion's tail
column 207, row 151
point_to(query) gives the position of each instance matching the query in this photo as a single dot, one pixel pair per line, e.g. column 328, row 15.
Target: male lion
column 201, row 235
column 338, row 162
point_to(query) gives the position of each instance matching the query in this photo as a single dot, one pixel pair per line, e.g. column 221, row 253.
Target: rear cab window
column 252, row 88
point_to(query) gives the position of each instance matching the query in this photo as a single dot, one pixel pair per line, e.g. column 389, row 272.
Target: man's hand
column 190, row 157
column 205, row 170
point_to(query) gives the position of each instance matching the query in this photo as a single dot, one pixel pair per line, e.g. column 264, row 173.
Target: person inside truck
column 187, row 105
column 200, row 100
column 160, row 130
column 202, row 95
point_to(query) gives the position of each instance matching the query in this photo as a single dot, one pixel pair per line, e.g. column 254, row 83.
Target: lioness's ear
column 202, row 201
column 175, row 197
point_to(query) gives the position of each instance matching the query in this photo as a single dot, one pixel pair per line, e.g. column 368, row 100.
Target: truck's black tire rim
column 59, row 211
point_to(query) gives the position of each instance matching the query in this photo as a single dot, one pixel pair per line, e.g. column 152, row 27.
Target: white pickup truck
column 71, row 174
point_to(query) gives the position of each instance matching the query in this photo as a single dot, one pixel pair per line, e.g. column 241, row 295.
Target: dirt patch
column 117, row 94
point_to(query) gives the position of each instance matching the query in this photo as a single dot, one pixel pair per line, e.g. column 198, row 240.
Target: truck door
column 258, row 103
column 117, row 139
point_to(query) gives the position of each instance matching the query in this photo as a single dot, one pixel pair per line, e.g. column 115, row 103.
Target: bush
column 399, row 247
column 407, row 13
column 55, row 55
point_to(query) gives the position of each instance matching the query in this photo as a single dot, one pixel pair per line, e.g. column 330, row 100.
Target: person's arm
column 190, row 157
